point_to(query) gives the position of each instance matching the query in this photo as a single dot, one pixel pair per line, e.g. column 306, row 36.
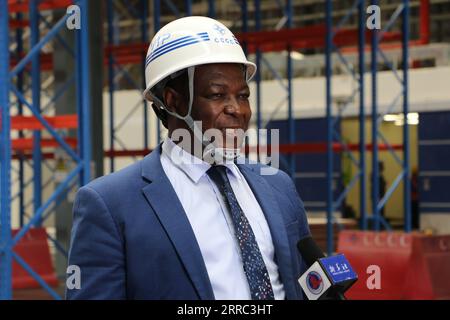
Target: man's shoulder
column 127, row 176
column 120, row 182
column 113, row 186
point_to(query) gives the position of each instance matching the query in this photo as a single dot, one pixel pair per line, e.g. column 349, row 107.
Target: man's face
column 221, row 100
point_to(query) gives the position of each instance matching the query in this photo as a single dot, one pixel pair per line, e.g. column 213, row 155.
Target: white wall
column 438, row 223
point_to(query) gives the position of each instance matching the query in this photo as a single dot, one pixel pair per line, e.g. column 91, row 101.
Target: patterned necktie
column 254, row 267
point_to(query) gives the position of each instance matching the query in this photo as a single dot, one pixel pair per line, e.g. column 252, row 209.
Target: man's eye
column 244, row 96
column 217, row 95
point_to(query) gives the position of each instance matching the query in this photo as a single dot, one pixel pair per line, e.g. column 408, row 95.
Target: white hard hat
column 189, row 42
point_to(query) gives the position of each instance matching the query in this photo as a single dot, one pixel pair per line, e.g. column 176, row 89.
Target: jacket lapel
column 264, row 194
column 165, row 203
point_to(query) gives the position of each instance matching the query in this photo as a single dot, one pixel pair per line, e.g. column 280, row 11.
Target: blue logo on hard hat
column 176, row 44
column 219, row 29
column 222, row 38
column 314, row 282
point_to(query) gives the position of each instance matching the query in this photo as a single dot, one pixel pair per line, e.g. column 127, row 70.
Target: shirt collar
column 192, row 166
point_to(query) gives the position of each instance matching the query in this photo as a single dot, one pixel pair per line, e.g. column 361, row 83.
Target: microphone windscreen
column 309, row 250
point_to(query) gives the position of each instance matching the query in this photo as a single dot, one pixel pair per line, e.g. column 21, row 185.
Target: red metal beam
column 32, row 123
column 23, row 5
column 424, row 30
column 320, row 147
column 16, row 24
column 120, row 58
column 303, row 38
column 29, row 155
column 131, row 48
column 127, row 153
column 283, row 35
column 133, row 53
column 46, row 62
column 24, row 144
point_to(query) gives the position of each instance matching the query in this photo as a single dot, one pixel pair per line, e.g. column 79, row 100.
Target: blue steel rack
column 39, row 186
column 113, row 76
column 402, row 11
column 359, row 7
column 81, row 156
column 332, row 134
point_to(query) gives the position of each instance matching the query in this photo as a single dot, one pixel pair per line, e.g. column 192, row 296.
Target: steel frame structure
column 359, row 8
column 12, row 83
column 112, row 60
column 23, row 144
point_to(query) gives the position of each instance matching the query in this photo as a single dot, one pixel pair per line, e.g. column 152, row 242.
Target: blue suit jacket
column 132, row 239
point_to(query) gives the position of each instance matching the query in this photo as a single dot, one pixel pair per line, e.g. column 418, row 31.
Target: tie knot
column 217, row 173
column 217, row 168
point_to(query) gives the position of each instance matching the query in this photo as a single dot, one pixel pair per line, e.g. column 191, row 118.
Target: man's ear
column 171, row 99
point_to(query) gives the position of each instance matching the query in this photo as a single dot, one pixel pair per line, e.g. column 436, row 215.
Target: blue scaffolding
column 12, row 83
column 117, row 70
column 359, row 8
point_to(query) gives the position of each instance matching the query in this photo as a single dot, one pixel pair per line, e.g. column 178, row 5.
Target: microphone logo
column 314, row 282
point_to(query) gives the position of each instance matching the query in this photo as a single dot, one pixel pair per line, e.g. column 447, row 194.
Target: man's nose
column 232, row 106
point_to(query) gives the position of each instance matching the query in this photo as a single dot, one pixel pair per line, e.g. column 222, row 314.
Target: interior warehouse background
column 364, row 119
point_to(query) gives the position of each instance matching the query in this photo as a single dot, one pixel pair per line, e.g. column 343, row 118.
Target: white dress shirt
column 212, row 224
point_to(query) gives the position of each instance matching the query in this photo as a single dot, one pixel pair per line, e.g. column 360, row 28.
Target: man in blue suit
column 183, row 224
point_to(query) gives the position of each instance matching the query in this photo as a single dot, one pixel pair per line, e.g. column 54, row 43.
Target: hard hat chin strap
column 188, row 118
column 211, row 154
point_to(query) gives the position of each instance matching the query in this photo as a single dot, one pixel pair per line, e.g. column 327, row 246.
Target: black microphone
column 327, row 278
